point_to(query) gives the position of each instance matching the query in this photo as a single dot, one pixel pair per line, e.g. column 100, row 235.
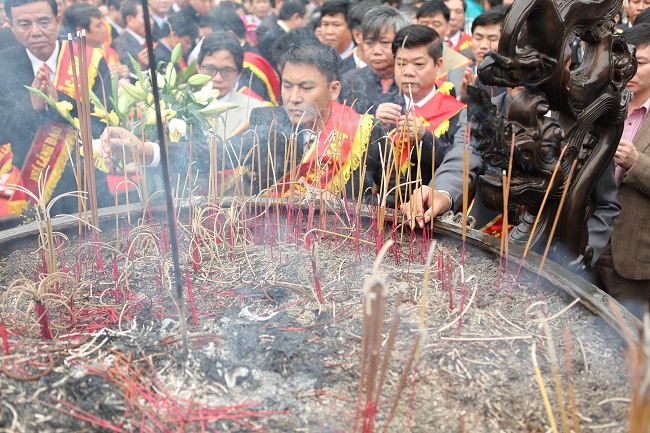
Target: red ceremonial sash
column 64, row 79
column 108, row 38
column 435, row 115
column 49, row 150
column 247, row 91
column 464, row 42
column 265, row 72
column 337, row 152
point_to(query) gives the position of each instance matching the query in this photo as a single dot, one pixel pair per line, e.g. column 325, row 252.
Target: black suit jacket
column 125, row 45
column 348, row 64
column 162, row 53
column 19, row 122
column 268, row 22
column 363, row 88
column 7, row 38
column 265, row 44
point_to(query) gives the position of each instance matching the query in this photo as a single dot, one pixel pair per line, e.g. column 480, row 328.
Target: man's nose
column 295, row 96
column 408, row 69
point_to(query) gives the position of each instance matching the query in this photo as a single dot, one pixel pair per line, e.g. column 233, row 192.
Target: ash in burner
column 266, row 354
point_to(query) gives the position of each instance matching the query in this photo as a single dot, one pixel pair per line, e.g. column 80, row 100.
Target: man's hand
column 468, row 78
column 388, row 113
column 118, row 142
column 143, row 59
column 43, row 83
column 413, row 124
column 626, row 154
column 122, row 71
column 420, row 206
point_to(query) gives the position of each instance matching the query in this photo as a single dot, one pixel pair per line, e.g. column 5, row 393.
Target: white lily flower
column 177, row 128
column 204, row 95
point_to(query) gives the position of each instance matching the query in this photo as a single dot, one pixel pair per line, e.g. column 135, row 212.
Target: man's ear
column 357, row 36
column 335, row 89
column 439, row 66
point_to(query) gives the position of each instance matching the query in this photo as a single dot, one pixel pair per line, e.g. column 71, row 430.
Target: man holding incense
column 426, row 112
column 449, row 189
column 34, row 136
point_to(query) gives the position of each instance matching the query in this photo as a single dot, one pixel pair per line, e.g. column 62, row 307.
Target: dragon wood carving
column 588, row 105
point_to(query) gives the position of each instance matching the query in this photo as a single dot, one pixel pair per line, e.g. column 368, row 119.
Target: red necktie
column 449, row 43
column 48, row 71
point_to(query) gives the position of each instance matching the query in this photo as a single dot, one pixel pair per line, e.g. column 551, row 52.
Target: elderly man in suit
column 625, row 264
column 33, row 136
column 365, row 88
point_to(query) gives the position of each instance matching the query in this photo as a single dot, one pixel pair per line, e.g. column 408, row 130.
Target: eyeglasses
column 226, row 72
column 26, row 25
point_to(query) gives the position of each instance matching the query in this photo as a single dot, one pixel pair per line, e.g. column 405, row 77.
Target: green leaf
column 95, row 100
column 176, row 53
column 188, row 72
column 138, row 72
column 41, row 95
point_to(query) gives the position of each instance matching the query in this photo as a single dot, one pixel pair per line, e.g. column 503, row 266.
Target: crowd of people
column 329, row 95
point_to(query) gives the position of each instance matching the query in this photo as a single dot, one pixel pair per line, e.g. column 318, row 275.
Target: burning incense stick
column 171, row 223
column 542, row 389
column 466, row 142
column 557, row 218
column 506, row 198
column 86, row 132
column 555, row 369
column 539, row 213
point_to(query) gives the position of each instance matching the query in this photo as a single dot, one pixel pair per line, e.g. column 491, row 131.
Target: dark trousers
column 632, row 294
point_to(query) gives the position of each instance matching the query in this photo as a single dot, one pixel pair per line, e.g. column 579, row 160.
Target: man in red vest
column 427, row 114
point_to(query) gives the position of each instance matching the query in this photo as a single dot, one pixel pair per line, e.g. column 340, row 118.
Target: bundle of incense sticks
column 82, row 93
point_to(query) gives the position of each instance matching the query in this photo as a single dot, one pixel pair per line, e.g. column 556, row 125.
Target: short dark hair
column 415, row 36
column 382, row 17
column 638, row 35
column 333, row 7
column 217, row 41
column 464, row 5
column 643, row 17
column 358, row 11
column 432, row 8
column 290, row 8
column 181, row 25
column 129, row 8
column 494, row 3
column 316, row 54
column 15, row 3
column 496, row 15
column 225, row 20
column 78, row 15
column 294, row 37
column 114, row 3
